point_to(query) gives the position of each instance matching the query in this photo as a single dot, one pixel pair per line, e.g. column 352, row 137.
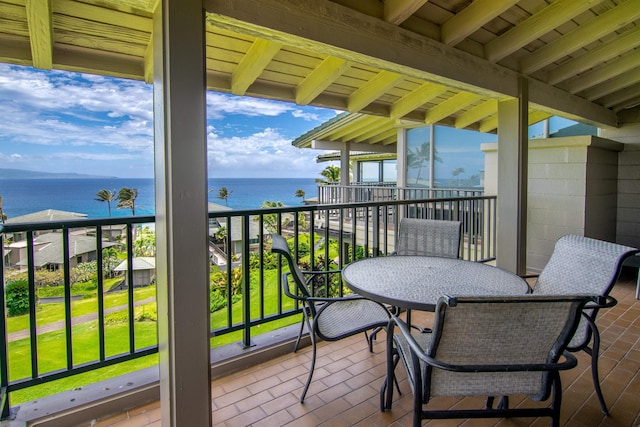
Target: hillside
column 28, row 174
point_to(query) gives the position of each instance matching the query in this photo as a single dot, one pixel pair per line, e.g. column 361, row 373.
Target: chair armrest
column 606, row 301
column 418, row 352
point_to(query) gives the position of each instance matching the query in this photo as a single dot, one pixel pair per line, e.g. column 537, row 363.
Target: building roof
column 446, row 62
column 139, row 263
column 49, row 248
column 46, row 215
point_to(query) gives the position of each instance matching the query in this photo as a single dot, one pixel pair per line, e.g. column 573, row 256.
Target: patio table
column 417, row 282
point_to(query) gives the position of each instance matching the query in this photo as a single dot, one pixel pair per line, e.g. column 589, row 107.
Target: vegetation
column 300, row 193
column 420, row 156
column 17, row 297
column 331, row 175
column 108, row 196
column 224, row 194
column 127, row 199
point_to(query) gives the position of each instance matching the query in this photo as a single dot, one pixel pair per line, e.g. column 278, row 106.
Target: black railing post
column 31, row 274
column 246, row 284
column 130, row 286
column 5, row 409
column 67, row 296
column 100, row 291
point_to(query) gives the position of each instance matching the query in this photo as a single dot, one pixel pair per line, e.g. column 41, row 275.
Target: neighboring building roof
column 217, row 207
column 139, row 263
column 51, row 251
column 46, row 215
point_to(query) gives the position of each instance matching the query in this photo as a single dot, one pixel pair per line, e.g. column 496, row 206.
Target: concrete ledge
column 111, row 397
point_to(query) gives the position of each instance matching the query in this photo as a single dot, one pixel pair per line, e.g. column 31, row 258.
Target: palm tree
column 105, row 195
column 455, row 174
column 420, row 156
column 127, row 199
column 300, row 193
column 224, row 194
column 331, row 174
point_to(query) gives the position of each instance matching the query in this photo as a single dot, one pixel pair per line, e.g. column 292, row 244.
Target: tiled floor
column 344, row 391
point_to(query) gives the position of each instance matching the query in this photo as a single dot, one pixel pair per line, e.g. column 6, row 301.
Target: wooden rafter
column 418, row 97
column 40, row 32
column 455, row 103
column 253, row 64
column 397, row 11
column 372, row 90
column 627, row 41
column 477, row 113
column 320, row 78
column 599, row 75
column 472, row 18
column 601, row 26
column 535, row 26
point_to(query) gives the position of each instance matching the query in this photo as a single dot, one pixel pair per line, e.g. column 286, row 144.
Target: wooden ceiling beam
column 538, row 24
column 477, row 113
column 372, row 90
column 615, row 84
column 451, row 105
column 320, row 78
column 253, row 64
column 40, row 32
column 397, row 11
column 416, row 98
column 331, row 29
column 472, row 18
column 625, row 42
column 607, row 23
column 102, row 15
column 608, row 72
column 622, row 97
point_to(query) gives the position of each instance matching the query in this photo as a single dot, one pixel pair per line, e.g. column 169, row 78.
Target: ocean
column 24, row 196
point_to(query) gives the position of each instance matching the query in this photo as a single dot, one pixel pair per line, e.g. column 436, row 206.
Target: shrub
column 17, row 297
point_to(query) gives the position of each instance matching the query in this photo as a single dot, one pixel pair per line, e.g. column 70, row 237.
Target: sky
column 56, row 121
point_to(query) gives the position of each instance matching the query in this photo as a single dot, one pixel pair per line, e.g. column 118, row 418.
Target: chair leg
column 594, row 368
column 311, row 368
column 295, row 347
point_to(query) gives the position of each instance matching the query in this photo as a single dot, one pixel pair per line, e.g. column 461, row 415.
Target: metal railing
column 249, row 279
column 382, row 192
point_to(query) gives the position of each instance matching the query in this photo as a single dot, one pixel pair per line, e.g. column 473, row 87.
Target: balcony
column 340, row 232
column 347, row 380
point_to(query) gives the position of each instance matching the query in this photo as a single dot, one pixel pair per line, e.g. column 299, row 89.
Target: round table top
column 417, row 282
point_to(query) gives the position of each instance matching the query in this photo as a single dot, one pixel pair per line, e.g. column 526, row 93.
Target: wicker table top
column 417, row 282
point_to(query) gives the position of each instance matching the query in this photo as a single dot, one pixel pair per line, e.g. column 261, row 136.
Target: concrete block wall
column 572, row 190
column 628, row 218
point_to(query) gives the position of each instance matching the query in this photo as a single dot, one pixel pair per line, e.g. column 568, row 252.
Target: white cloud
column 261, row 154
column 305, row 115
column 218, row 105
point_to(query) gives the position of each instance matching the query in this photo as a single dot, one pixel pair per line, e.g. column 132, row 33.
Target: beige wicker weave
column 581, row 265
column 487, row 346
column 429, row 237
column 331, row 319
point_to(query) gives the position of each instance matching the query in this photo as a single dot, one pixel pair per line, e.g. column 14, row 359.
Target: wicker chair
column 487, row 346
column 330, row 319
column 428, row 237
column 581, row 265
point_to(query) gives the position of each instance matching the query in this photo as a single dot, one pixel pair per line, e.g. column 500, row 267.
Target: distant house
column 47, row 215
column 48, row 251
column 144, row 271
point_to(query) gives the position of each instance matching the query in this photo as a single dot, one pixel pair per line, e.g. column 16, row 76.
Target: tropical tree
column 224, row 194
column 455, row 173
column 331, row 174
column 300, row 193
column 420, row 156
column 271, row 220
column 105, row 195
column 127, row 199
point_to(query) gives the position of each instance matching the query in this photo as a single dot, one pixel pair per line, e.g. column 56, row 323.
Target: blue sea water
column 24, row 196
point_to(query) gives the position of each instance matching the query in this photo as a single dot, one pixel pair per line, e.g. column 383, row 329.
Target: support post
column 513, row 144
column 181, row 213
